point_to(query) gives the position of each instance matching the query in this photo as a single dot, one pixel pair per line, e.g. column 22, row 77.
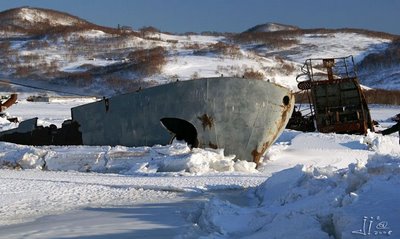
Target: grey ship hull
column 242, row 116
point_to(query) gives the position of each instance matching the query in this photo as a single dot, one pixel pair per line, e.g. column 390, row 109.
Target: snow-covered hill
column 272, row 27
column 103, row 61
column 27, row 17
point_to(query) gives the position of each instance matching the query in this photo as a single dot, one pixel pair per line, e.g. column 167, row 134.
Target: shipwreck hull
column 242, row 116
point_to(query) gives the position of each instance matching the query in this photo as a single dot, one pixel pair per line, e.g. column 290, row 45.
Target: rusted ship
column 336, row 101
column 242, row 116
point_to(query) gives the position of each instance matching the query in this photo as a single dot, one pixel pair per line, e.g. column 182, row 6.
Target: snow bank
column 17, row 157
column 307, row 201
column 177, row 158
column 6, row 125
column 388, row 144
column 312, row 202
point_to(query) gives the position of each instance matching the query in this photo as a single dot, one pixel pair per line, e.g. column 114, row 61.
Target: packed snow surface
column 310, row 185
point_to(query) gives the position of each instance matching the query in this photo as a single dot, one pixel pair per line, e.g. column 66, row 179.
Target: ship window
column 286, row 100
column 181, row 130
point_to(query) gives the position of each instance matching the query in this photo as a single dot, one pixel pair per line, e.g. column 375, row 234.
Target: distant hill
column 27, row 18
column 33, row 21
column 272, row 27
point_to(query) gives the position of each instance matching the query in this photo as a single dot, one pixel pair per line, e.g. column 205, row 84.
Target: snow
column 188, row 66
column 188, row 56
column 318, row 198
column 337, row 45
column 199, row 39
column 34, row 16
column 78, row 65
column 89, row 34
column 26, row 110
column 177, row 159
column 309, row 185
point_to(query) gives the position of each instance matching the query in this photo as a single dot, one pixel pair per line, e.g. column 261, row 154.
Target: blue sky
column 179, row 16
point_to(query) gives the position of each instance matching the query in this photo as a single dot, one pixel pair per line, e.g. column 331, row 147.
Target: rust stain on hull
column 280, row 125
column 206, row 121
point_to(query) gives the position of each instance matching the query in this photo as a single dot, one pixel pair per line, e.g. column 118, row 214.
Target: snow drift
column 307, row 201
column 176, row 158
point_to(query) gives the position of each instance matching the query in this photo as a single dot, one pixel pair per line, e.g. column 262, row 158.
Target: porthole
column 286, row 100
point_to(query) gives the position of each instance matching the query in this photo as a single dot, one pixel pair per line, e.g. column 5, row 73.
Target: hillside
column 48, row 48
column 27, row 18
column 36, row 23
